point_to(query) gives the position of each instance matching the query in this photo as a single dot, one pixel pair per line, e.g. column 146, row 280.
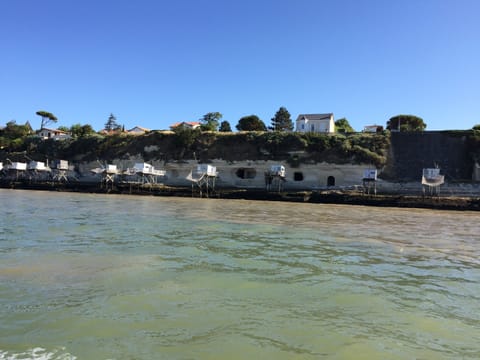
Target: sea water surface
column 124, row 277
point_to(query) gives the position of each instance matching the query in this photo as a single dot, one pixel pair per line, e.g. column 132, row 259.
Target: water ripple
column 135, row 277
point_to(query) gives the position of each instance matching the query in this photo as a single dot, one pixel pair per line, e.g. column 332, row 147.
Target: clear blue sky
column 153, row 63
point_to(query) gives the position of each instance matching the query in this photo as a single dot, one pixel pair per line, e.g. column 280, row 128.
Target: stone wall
column 412, row 152
column 248, row 174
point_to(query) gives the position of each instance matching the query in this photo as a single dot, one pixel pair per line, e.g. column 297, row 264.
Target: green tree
column 210, row 121
column 15, row 131
column 225, row 127
column 476, row 127
column 80, row 131
column 343, row 126
column 185, row 139
column 251, row 123
column 282, row 121
column 13, row 134
column 406, row 123
column 111, row 124
column 47, row 118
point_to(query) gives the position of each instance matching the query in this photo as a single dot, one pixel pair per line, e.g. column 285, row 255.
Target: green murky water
column 124, row 277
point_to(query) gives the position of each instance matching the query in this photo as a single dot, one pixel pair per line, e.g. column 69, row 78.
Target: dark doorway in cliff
column 331, row 181
column 246, row 173
column 297, row 176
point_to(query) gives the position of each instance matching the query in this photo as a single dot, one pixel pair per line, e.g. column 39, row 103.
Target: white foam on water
column 37, row 353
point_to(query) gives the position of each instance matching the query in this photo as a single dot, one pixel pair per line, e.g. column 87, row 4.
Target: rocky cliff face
column 398, row 156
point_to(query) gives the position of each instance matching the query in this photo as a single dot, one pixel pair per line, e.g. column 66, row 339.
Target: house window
column 331, row 181
column 303, row 127
column 297, row 176
column 312, row 128
column 246, row 173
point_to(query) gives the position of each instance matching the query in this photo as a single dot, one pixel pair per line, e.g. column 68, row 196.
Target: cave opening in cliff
column 297, row 176
column 246, row 173
column 331, row 181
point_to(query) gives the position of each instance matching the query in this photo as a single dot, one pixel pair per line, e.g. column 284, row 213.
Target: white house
column 138, row 130
column 55, row 134
column 186, row 125
column 319, row 123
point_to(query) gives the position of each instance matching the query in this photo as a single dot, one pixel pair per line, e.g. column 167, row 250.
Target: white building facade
column 53, row 134
column 318, row 123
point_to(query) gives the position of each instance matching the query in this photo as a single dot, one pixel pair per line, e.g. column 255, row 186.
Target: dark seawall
column 412, row 152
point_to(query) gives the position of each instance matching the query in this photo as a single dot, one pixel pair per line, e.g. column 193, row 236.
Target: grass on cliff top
column 293, row 147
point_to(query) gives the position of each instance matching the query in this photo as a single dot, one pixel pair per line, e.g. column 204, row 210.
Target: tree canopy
column 210, row 121
column 47, row 118
column 282, row 120
column 12, row 135
column 343, row 126
column 79, row 130
column 225, row 126
column 251, row 123
column 111, row 124
column 406, row 123
column 13, row 130
column 476, row 127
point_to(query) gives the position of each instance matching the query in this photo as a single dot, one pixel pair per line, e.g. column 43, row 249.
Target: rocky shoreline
column 344, row 197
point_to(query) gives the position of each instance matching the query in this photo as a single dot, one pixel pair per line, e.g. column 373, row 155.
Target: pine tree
column 47, row 118
column 282, row 121
column 111, row 124
column 406, row 123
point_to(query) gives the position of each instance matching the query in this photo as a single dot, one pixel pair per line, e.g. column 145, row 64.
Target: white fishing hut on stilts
column 370, row 181
column 16, row 170
column 275, row 178
column 60, row 171
column 38, row 171
column 204, row 177
column 431, row 181
column 108, row 174
column 146, row 173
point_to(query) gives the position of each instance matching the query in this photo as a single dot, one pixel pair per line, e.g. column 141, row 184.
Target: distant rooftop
column 314, row 116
